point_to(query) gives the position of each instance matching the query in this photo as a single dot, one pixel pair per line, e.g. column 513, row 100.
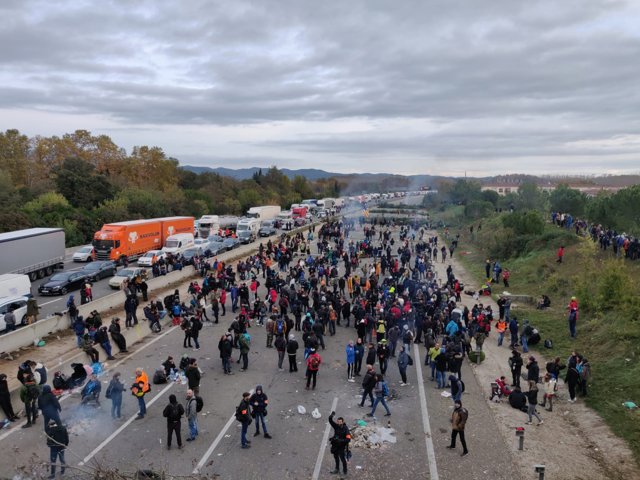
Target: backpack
column 314, row 362
column 199, row 404
column 548, row 343
column 107, row 394
column 385, row 389
column 159, row 377
column 280, row 327
column 462, row 388
column 32, row 392
column 59, row 381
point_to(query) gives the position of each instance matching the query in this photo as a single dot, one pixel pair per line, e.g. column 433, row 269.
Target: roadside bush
column 529, row 222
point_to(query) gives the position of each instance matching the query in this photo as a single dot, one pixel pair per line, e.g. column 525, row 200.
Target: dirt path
column 573, row 443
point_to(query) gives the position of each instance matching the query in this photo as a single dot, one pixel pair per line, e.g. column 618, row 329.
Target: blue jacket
column 452, row 328
column 351, row 354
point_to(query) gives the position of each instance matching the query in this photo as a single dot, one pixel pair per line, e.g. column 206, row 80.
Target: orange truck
column 131, row 239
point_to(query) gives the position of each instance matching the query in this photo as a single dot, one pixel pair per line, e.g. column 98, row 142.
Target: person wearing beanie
column 173, row 413
column 458, row 421
column 57, row 440
column 259, row 402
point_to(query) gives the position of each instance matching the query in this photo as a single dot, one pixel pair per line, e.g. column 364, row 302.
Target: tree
column 569, row 200
column 14, row 151
column 530, row 197
column 78, row 181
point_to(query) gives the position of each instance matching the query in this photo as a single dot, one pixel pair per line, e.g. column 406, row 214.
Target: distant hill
column 246, row 173
column 356, row 181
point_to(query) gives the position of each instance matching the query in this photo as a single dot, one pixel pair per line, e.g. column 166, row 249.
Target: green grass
column 609, row 322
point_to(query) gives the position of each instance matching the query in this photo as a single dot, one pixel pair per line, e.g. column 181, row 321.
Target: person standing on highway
column 259, row 402
column 49, row 405
column 313, row 366
column 139, row 389
column 57, row 441
column 71, row 308
column 404, row 360
column 114, row 393
column 29, row 394
column 243, row 415
column 225, row 345
column 5, row 399
column 32, row 311
column 173, row 413
column 130, row 307
column 292, row 350
column 191, row 412
column 10, row 320
column 339, row 443
column 192, row 373
column 196, row 326
column 458, row 422
column 245, row 345
column 351, row 359
column 281, row 346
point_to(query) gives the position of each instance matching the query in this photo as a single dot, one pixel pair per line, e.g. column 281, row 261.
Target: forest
column 79, row 181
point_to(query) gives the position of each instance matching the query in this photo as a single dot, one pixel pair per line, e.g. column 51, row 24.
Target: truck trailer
column 265, row 212
column 35, row 251
column 132, row 239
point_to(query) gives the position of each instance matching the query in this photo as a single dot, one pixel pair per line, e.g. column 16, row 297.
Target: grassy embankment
column 607, row 289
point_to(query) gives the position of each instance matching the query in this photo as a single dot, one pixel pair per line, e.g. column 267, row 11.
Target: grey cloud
column 460, row 63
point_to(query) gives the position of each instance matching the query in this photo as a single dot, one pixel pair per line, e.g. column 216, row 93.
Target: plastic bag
column 316, row 413
column 301, row 410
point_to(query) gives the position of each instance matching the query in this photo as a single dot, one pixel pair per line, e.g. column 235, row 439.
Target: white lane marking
column 111, row 367
column 431, row 454
column 323, row 446
column 215, row 443
column 122, row 427
column 52, row 301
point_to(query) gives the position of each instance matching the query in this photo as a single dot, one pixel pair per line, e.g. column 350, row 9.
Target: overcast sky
column 440, row 87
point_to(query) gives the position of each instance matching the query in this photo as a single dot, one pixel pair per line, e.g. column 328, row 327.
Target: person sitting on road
column 517, row 399
column 91, row 391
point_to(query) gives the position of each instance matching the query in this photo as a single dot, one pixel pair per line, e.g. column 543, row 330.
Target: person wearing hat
column 173, row 413
column 458, row 422
column 57, row 441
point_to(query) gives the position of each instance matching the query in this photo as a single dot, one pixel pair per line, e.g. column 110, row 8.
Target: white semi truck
column 264, row 212
column 35, row 251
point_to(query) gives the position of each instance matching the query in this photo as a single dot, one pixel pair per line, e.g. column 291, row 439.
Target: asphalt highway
column 420, row 421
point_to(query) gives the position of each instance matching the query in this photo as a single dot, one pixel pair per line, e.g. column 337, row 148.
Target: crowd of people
column 623, row 245
column 385, row 282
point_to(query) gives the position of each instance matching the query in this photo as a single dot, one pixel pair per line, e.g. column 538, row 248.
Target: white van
column 15, row 285
column 247, row 229
column 178, row 243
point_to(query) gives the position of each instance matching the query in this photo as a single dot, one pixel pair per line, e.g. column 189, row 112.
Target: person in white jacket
column 549, row 384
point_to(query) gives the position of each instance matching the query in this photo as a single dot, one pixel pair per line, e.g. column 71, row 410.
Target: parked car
column 216, row 248
column 98, row 270
column 125, row 274
column 230, row 243
column 299, row 222
column 189, row 253
column 267, row 229
column 19, row 307
column 63, row 282
column 150, row 258
column 212, row 249
column 84, row 254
